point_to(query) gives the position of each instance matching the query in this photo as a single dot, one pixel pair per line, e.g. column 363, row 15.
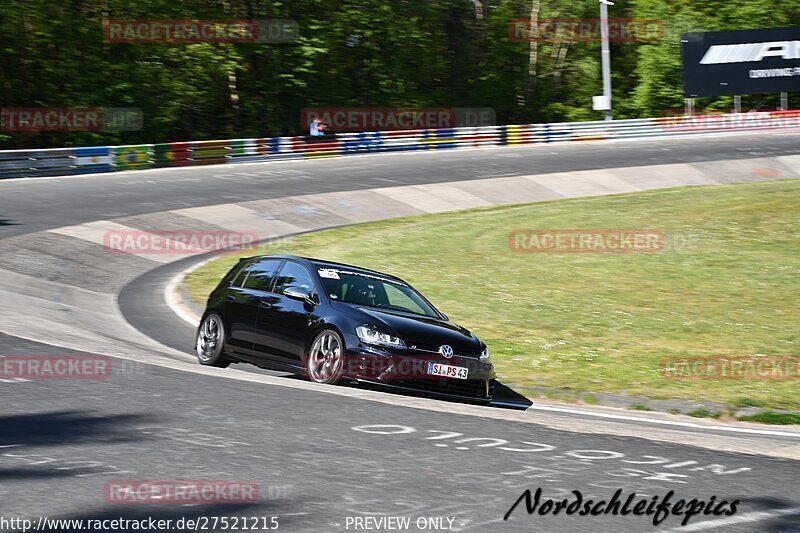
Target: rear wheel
column 325, row 362
column 210, row 345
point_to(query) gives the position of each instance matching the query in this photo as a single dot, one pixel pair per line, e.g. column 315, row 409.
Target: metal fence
column 84, row 160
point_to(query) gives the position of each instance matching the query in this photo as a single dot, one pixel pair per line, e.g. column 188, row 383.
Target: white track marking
column 694, row 425
column 175, row 300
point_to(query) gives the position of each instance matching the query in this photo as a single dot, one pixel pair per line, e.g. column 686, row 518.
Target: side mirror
column 298, row 293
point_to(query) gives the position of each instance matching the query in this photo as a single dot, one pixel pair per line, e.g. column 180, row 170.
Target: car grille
column 461, row 387
column 435, row 349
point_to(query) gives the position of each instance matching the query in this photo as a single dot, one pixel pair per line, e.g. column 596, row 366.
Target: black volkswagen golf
column 334, row 322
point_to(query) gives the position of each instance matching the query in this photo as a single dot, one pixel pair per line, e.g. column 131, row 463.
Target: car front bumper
column 409, row 369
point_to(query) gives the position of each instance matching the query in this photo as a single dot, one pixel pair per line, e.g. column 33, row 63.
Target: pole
column 737, row 103
column 784, row 101
column 606, row 56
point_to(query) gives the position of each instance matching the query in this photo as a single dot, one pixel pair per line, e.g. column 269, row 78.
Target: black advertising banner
column 741, row 62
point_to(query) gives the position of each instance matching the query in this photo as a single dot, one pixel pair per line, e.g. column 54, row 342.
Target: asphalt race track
column 324, row 456
column 36, row 204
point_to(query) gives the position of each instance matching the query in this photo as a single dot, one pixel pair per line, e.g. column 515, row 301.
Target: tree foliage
column 350, row 53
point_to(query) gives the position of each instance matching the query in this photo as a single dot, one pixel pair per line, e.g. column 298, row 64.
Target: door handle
column 231, row 297
column 266, row 304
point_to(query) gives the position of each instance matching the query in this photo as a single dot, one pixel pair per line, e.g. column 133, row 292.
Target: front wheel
column 210, row 344
column 325, row 362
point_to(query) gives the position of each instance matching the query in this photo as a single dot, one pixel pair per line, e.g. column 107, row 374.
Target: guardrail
column 84, row 160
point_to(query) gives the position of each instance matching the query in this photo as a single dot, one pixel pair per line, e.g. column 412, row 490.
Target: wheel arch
column 314, row 332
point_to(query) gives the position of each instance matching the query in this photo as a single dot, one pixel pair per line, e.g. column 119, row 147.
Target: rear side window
column 261, row 275
column 238, row 273
column 294, row 275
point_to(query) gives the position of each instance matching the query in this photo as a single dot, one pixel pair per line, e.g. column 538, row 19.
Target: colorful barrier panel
column 270, row 146
column 67, row 161
column 209, row 152
column 361, row 142
column 133, row 157
column 524, row 134
column 476, row 137
column 92, row 159
column 325, row 146
column 438, row 139
column 172, row 154
column 242, row 148
column 401, row 140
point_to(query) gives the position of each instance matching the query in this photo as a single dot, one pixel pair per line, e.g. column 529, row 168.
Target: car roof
column 324, row 263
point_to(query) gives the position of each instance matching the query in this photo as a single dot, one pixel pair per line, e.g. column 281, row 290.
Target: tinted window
column 239, row 273
column 364, row 288
column 400, row 300
column 262, row 274
column 294, row 275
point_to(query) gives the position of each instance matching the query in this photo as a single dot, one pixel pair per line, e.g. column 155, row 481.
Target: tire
column 325, row 361
column 210, row 342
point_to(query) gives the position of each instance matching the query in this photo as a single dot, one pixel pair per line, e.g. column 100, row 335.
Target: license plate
column 447, row 371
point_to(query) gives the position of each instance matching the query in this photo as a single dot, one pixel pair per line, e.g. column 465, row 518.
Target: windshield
column 364, row 288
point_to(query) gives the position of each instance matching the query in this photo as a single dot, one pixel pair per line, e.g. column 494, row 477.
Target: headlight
column 485, row 357
column 373, row 336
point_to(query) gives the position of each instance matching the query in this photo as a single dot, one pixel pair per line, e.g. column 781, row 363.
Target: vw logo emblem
column 446, row 350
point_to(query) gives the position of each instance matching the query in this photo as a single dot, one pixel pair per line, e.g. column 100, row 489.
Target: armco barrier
column 133, row 157
column 66, row 161
column 36, row 163
column 172, row 154
column 210, row 152
column 92, row 159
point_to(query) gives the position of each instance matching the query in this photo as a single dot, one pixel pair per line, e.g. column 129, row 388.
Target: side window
column 294, row 275
column 238, row 277
column 262, row 274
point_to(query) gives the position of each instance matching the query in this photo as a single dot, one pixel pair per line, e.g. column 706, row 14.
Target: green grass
column 639, row 407
column 703, row 413
column 602, row 322
column 589, row 399
column 747, row 402
column 773, row 418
